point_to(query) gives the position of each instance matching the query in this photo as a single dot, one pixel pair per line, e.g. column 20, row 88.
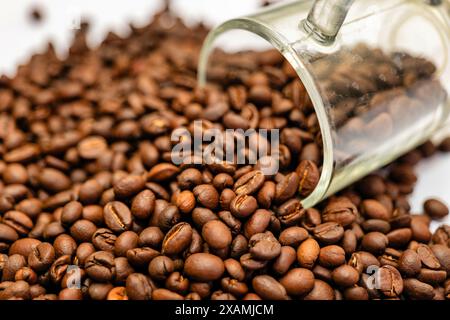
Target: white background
column 19, row 38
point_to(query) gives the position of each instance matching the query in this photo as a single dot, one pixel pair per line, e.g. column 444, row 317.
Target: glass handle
column 326, row 18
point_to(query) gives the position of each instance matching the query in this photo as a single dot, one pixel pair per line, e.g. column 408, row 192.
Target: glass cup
column 376, row 71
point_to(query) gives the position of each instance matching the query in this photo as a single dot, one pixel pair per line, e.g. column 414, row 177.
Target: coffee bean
column 24, row 246
column 141, row 257
column 418, row 290
column 84, row 250
column 374, row 210
column 124, row 242
column 71, row 212
column 298, row 281
column 293, row 236
column 399, row 237
column 100, row 266
column 151, row 237
column 117, row 293
column 129, row 186
column 433, row 277
column 7, row 234
column 243, row 206
column 249, row 183
column 435, row 208
column 269, row 288
column 177, row 239
column 185, row 201
column 207, row 196
column 285, row 260
column 287, row 187
column 264, row 246
column 83, row 230
column 390, row 281
column 139, row 287
column 320, row 291
column 340, row 210
column 308, row 253
column 204, row 267
column 117, row 216
column 64, row 245
column 92, row 147
column 361, row 260
column 104, row 239
column 442, row 253
column 427, row 257
column 216, row 234
column 161, row 267
column 309, row 177
column 345, row 276
column 162, row 172
column 374, row 242
column 409, row 263
column 329, row 232
column 331, row 256
column 290, row 212
column 19, row 221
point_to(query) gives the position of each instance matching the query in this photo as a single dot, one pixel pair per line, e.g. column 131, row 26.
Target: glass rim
column 279, row 42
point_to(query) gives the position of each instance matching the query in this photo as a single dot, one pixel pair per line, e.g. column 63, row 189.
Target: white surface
column 19, row 38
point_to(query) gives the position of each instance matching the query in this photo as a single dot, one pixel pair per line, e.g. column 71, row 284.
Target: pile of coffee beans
column 91, row 206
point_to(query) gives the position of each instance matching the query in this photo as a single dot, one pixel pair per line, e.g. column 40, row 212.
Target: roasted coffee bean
column 345, row 276
column 141, row 257
column 264, row 246
column 433, row 277
column 128, row 186
column 12, row 265
column 104, row 239
column 266, row 194
column 331, row 256
column 249, row 183
column 161, row 267
column 162, row 172
column 435, row 209
column 290, row 212
column 320, row 291
column 427, row 257
column 216, row 234
column 151, row 237
column 269, row 288
column 7, row 234
column 409, row 263
column 117, row 293
column 442, row 253
column 373, row 209
column 41, row 257
column 139, row 287
column 285, row 260
column 258, row 222
column 207, row 196
column 390, row 282
column 100, row 266
column 298, row 281
column 82, row 230
column 84, row 250
column 177, row 239
column 420, row 231
column 308, row 253
column 287, row 187
column 204, row 267
column 418, row 290
column 243, row 206
column 234, row 269
column 59, row 268
column 143, row 204
column 19, row 221
column 374, row 242
column 117, row 216
column 309, row 177
column 400, row 237
column 124, row 242
column 293, row 236
column 329, row 232
column 340, row 210
column 64, row 245
column 362, row 260
column 376, row 225
column 71, row 212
